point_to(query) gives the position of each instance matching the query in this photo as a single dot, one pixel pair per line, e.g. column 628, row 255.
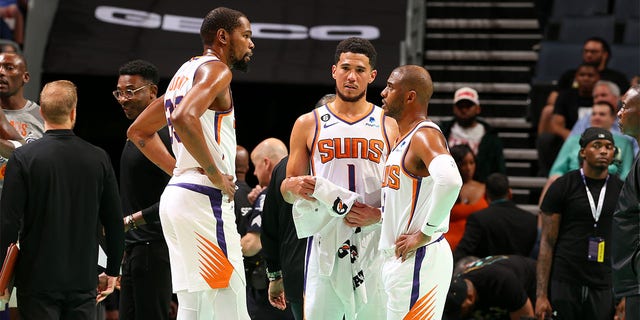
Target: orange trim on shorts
column 215, row 268
column 424, row 307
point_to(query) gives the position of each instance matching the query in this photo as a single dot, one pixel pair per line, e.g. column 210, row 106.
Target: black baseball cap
column 595, row 133
column 455, row 297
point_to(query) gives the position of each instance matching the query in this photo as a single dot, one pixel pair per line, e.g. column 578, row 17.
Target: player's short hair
column 357, row 45
column 142, row 68
column 57, row 99
column 219, row 18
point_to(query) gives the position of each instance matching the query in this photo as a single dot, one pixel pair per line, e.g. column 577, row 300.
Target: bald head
column 416, row 78
column 270, row 148
column 58, row 100
column 632, row 97
column 242, row 162
column 265, row 156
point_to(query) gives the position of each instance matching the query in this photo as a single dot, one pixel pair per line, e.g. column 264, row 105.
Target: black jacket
column 625, row 242
column 58, row 188
column 500, row 229
column 281, row 247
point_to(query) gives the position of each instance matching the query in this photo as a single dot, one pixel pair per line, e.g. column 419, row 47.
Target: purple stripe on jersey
column 415, row 289
column 352, row 177
column 415, row 200
column 420, row 253
column 215, row 196
column 306, row 262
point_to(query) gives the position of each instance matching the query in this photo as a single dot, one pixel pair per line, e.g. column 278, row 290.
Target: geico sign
column 144, row 19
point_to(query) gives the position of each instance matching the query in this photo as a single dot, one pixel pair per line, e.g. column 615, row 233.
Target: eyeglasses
column 129, row 93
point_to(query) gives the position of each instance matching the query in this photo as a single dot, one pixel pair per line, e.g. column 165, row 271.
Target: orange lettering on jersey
column 325, row 147
column 350, row 148
column 342, row 151
column 391, row 177
column 376, row 148
column 23, row 129
column 177, row 83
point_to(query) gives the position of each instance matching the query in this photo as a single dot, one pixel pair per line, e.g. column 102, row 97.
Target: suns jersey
column 405, row 197
column 218, row 126
column 351, row 154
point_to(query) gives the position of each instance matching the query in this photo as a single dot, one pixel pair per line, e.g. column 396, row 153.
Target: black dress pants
column 145, row 285
column 57, row 305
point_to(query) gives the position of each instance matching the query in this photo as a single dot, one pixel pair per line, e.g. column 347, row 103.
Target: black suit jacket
column 502, row 228
column 56, row 191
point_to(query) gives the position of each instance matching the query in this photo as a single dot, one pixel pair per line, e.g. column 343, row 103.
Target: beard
column 466, row 123
column 350, row 99
column 241, row 64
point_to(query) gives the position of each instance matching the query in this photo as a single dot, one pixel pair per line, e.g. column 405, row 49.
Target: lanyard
column 595, row 211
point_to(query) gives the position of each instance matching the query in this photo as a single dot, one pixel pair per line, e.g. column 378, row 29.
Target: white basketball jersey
column 351, row 154
column 218, row 126
column 405, row 197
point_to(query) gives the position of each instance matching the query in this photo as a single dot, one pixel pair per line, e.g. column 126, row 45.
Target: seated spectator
column 496, row 287
column 568, row 107
column 604, row 91
column 467, row 128
column 502, row 228
column 603, row 115
column 471, row 197
column 10, row 12
column 596, row 52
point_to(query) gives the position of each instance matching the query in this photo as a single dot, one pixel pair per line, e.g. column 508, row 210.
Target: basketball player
column 420, row 186
column 346, row 142
column 196, row 208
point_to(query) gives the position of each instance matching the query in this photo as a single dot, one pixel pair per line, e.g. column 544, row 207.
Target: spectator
column 496, row 287
column 568, row 107
column 467, row 128
column 502, row 228
column 471, row 197
column 574, row 265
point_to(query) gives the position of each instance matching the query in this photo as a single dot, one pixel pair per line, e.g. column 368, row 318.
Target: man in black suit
column 57, row 189
column 502, row 228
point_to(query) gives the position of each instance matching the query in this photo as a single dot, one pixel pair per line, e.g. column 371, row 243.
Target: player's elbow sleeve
column 445, row 174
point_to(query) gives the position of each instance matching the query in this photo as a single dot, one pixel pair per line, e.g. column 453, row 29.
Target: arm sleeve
column 447, row 184
column 111, row 218
column 270, row 236
column 152, row 213
column 14, row 200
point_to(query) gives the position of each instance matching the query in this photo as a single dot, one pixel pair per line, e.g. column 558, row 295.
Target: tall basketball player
column 196, row 208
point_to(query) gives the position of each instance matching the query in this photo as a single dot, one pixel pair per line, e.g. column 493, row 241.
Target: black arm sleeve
column 111, row 218
column 273, row 204
column 13, row 204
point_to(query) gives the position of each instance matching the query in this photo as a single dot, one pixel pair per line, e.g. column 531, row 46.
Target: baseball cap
column 595, row 133
column 456, row 296
column 466, row 93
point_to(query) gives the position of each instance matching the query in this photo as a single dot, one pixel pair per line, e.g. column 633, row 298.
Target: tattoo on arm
column 141, row 143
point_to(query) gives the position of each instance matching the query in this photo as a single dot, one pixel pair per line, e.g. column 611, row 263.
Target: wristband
column 131, row 222
column 274, row 275
column 16, row 144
